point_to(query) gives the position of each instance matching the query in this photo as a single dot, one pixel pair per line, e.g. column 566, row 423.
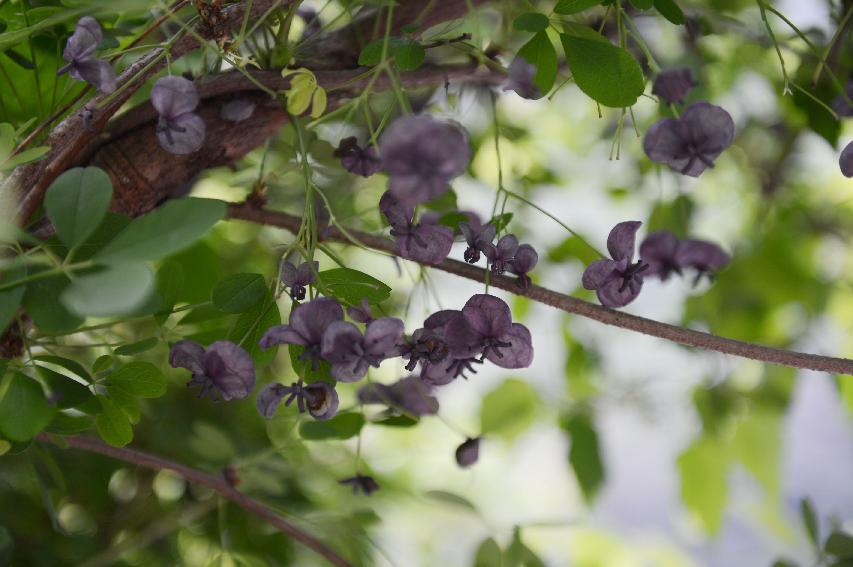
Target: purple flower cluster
column 223, row 368
column 422, row 242
column 179, row 130
column 673, row 85
column 618, row 281
column 506, row 255
column 296, row 279
column 358, row 160
column 82, row 64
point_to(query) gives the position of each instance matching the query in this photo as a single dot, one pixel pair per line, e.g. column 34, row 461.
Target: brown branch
column 217, row 484
column 574, row 305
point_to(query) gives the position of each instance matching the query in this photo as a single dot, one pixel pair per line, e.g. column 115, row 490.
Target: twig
column 219, row 485
column 573, row 305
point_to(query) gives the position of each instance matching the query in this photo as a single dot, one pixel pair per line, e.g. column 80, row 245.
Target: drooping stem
column 218, row 485
column 574, row 305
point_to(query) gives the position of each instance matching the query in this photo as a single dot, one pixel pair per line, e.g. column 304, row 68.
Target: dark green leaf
column 114, row 291
column 137, row 347
column 606, row 73
column 501, row 221
column 141, row 379
column 342, row 426
column 112, row 424
column 64, row 391
column 531, row 22
column 452, row 220
column 585, row 454
column 24, row 411
column 44, row 307
column 102, row 363
column 573, row 248
column 670, row 10
column 127, row 402
column 167, row 230
column 371, row 54
column 642, row 4
column 251, row 326
column 574, row 6
column 351, row 286
column 397, row 421
column 77, row 201
column 10, row 299
column 540, row 53
column 839, row 544
column 489, row 554
column 239, row 292
column 64, row 424
column 409, row 55
column 810, row 521
column 70, row 365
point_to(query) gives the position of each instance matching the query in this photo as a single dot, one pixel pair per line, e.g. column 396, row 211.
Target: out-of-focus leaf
column 65, row 392
column 77, row 201
column 24, row 410
column 112, row 424
column 10, row 298
column 342, row 426
column 704, row 490
column 810, row 521
column 508, row 409
column 489, row 554
column 450, row 498
column 115, row 291
column 839, row 544
column 531, row 22
column 131, row 349
column 239, row 292
column 584, row 454
column 670, row 10
column 568, row 7
column 43, row 306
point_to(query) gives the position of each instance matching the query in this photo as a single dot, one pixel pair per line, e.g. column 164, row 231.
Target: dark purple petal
column 311, row 319
column 288, row 274
column 361, row 161
column 412, row 189
column 666, row 142
column 398, row 215
column 702, row 255
column 342, row 347
column 620, row 242
column 520, row 352
column 189, row 355
column 281, row 335
column 96, row 72
column 525, row 259
column 428, row 244
column 306, row 273
column 602, row 271
column 438, row 374
column 410, row 395
column 321, row 400
column 439, row 320
column 463, row 340
column 237, row 110
column 673, row 85
column 845, row 160
column 174, row 96
column 658, row 251
column 711, row 128
column 230, row 368
column 382, row 336
column 488, row 315
column 521, row 75
column 616, row 294
column 468, row 452
column 270, row 397
column 360, row 313
column 182, row 135
column 84, row 41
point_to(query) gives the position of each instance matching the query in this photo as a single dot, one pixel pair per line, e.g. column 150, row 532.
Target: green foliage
column 508, row 409
column 77, row 202
column 24, row 410
column 140, row 379
column 239, row 292
column 670, row 10
column 113, row 423
column 351, row 286
column 540, row 53
column 11, row 298
column 531, row 22
column 568, row 7
column 606, row 73
column 251, row 325
column 584, row 453
column 113, row 291
column 407, row 53
column 342, row 426
column 810, row 521
column 67, row 392
column 43, row 305
column 489, row 554
column 704, row 488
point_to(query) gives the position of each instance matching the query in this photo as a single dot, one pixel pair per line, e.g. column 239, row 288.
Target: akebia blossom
column 296, row 279
column 306, row 326
column 360, row 313
column 468, row 452
column 478, row 237
column 319, row 399
column 690, row 144
column 179, row 130
column 222, row 368
column 80, row 54
column 525, row 260
column 358, row 160
column 425, row 345
column 409, row 395
column 427, row 243
column 421, row 155
column 673, row 85
column 361, row 483
column 666, row 254
column 617, row 282
column 845, row 160
column 520, row 78
column 501, row 255
column 485, row 328
column 350, row 353
column 703, row 256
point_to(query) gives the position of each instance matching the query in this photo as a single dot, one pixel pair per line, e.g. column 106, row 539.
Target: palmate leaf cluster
column 99, row 299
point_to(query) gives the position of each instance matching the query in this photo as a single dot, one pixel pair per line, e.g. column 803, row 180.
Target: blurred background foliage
column 611, row 450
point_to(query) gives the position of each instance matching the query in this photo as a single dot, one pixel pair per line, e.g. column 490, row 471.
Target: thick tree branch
column 574, row 305
column 217, row 484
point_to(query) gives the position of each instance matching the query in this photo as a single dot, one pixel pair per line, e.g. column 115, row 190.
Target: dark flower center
column 631, row 273
column 432, row 349
column 297, row 292
column 494, row 345
column 472, row 255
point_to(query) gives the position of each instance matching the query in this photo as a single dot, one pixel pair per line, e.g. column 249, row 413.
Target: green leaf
column 501, row 221
column 409, row 55
column 531, row 22
column 605, row 72
column 489, row 554
column 585, row 454
column 43, row 306
column 137, row 347
column 573, row 248
column 102, row 363
column 351, row 286
column 24, row 410
column 519, row 555
column 66, row 392
column 127, row 402
column 64, row 424
column 112, row 424
column 10, row 299
column 114, row 291
column 839, row 544
column 167, row 230
column 810, row 521
column 251, row 326
column 239, row 292
column 77, row 201
column 508, row 409
column 453, row 499
column 540, row 53
column 26, row 156
column 757, row 444
column 141, row 379
column 642, row 4
column 70, row 365
column 670, row 10
column 703, row 467
column 574, row 6
column 342, row 426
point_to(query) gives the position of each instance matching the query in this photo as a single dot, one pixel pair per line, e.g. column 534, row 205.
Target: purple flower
column 500, row 256
column 297, row 278
column 80, row 54
column 438, row 366
column 351, row 354
column 421, row 155
column 224, row 368
column 617, row 282
column 360, row 313
column 312, row 22
column 845, row 160
column 356, row 160
column 319, row 398
column 426, row 243
column 361, row 483
column 673, row 85
column 479, row 239
column 703, row 256
column 425, row 345
column 179, row 129
column 659, row 251
column 525, row 260
column 690, row 144
column 409, row 395
column 306, row 326
column 485, row 328
column 521, row 79
column 468, row 452
column 237, row 110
